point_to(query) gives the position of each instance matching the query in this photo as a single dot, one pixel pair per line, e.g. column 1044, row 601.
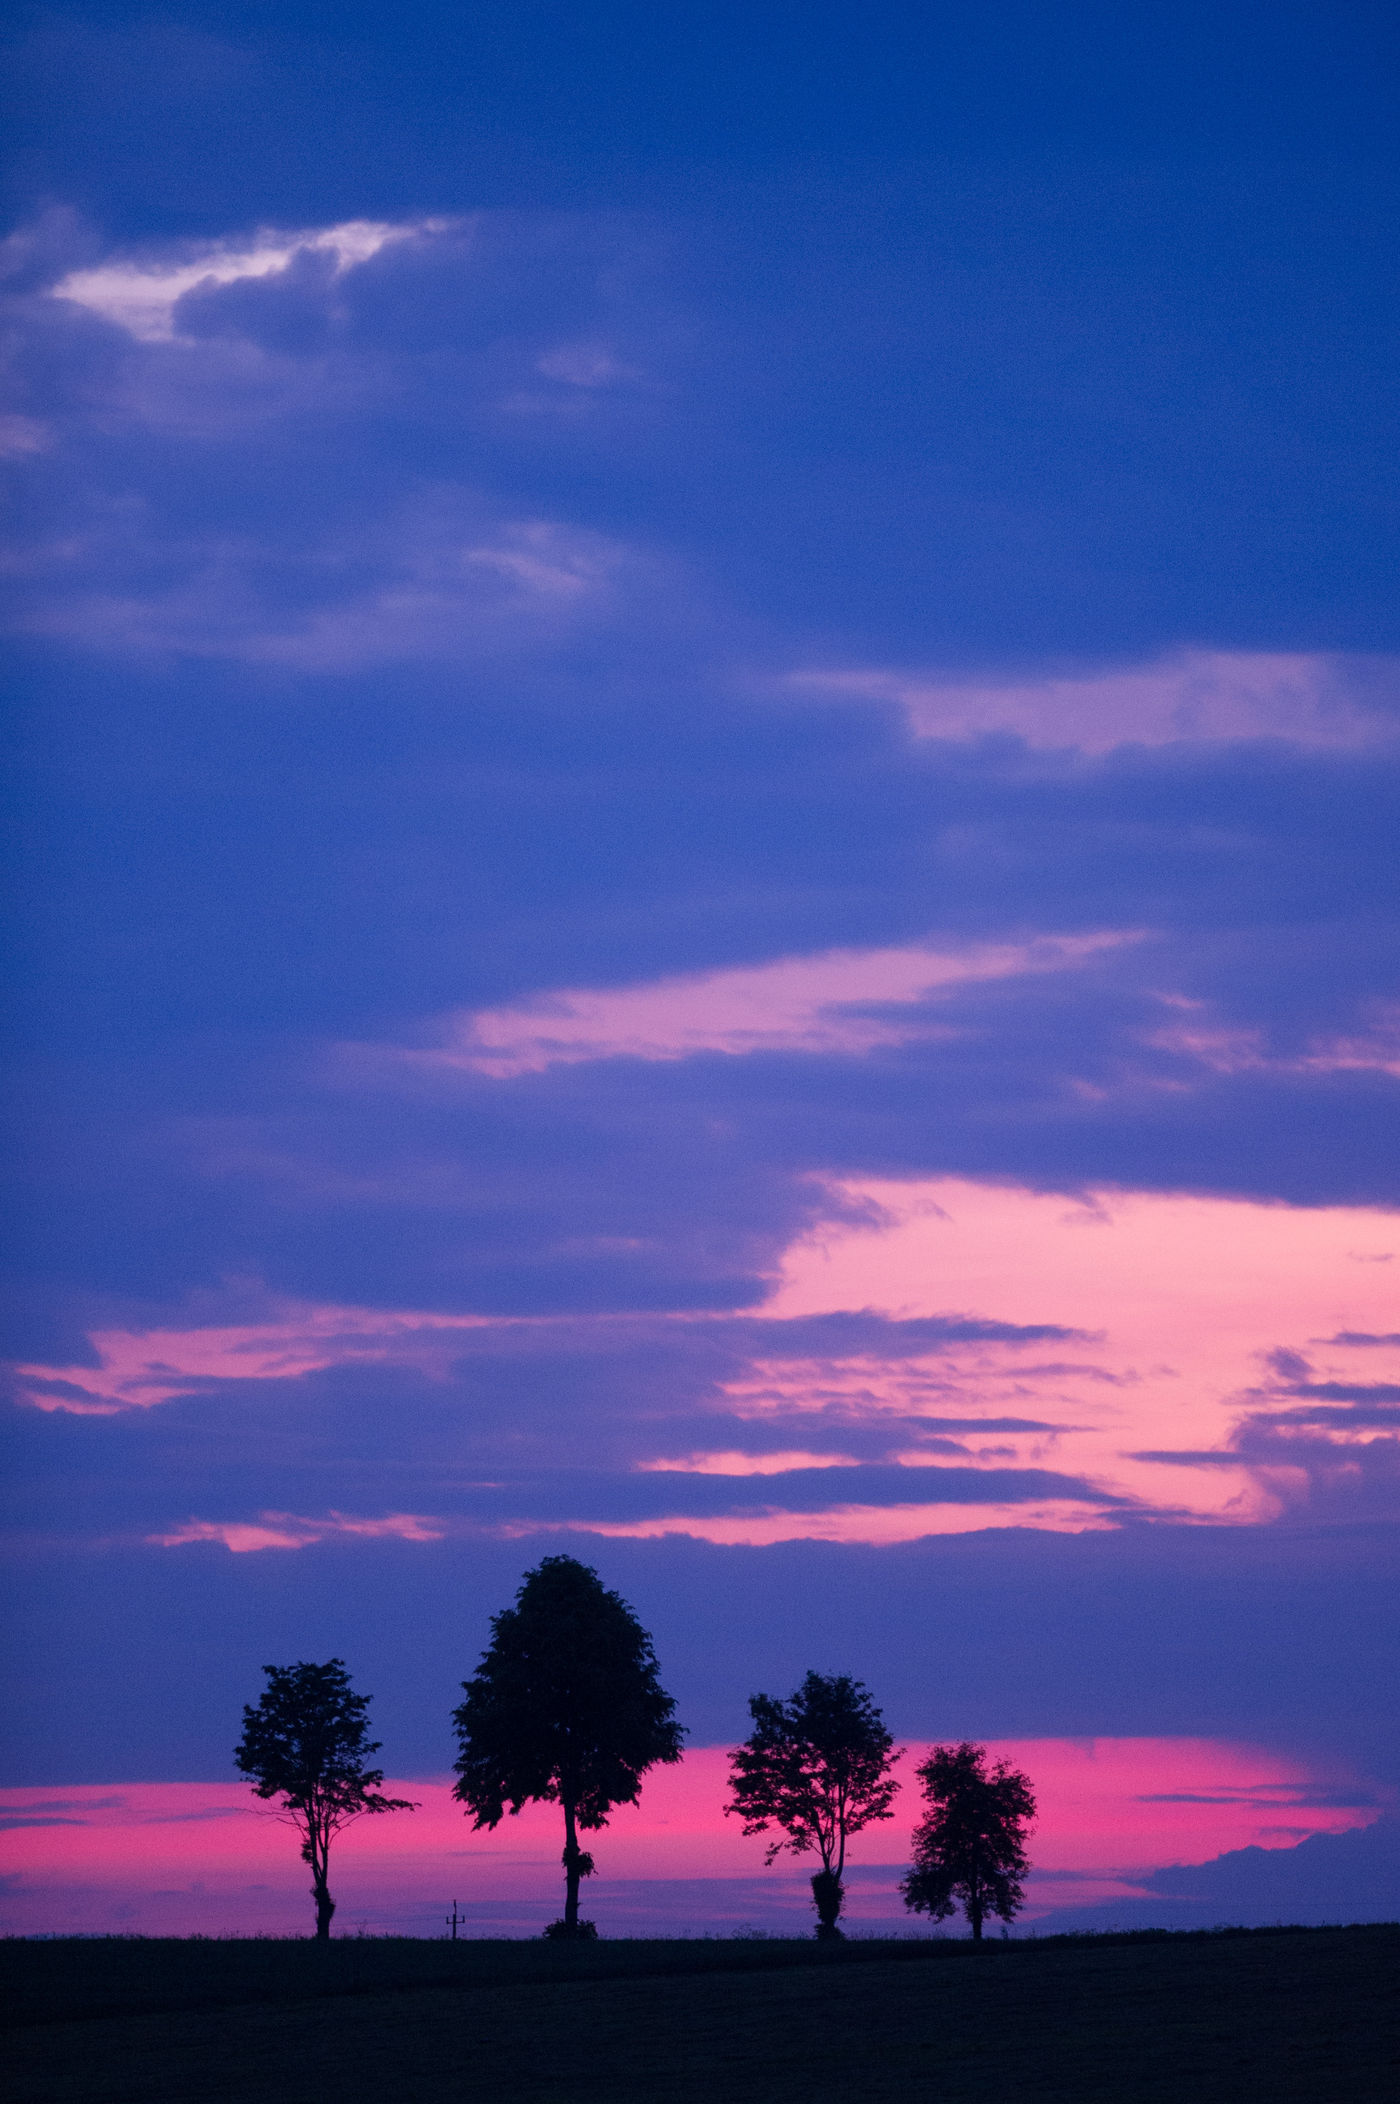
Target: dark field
column 1185, row 2019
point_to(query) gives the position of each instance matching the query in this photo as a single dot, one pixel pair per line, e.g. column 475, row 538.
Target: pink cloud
column 290, row 1530
column 1175, row 1302
column 1195, row 694
column 730, row 1462
column 1184, row 1294
column 813, row 1004
column 1375, row 1050
column 141, row 1367
column 876, row 1525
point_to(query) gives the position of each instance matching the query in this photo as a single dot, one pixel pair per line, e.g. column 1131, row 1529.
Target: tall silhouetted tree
column 970, row 1845
column 566, row 1708
column 818, row 1766
column 307, row 1742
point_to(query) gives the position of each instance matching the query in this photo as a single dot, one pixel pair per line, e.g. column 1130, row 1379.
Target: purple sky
column 704, row 823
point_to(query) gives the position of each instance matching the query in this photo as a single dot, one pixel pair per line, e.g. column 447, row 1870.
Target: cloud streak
column 836, row 1004
column 1214, row 696
column 143, row 295
column 290, row 1530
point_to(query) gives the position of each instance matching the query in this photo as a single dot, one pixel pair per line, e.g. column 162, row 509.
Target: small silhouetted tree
column 818, row 1766
column 970, row 1845
column 566, row 1707
column 307, row 1743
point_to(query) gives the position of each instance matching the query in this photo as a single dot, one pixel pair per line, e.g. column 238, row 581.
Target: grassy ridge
column 66, row 1979
column 1298, row 2016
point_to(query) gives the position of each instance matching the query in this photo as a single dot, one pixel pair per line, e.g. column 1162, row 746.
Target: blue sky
column 704, row 810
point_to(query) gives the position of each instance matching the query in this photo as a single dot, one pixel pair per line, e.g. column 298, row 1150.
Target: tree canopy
column 307, row 1743
column 817, row 1766
column 565, row 1707
column 970, row 1845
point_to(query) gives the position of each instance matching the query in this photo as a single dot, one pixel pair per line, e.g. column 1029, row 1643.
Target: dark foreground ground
column 1187, row 2019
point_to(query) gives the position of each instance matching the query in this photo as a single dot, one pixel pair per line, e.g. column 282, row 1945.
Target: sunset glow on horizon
column 182, row 1858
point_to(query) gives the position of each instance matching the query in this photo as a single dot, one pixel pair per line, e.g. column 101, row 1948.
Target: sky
column 702, row 819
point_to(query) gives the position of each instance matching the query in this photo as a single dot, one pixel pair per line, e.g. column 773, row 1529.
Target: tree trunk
column 976, row 1897
column 828, row 1893
column 316, row 1854
column 571, row 1866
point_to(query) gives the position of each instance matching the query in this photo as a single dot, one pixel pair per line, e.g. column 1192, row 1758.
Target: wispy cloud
column 23, row 435
column 835, row 1003
column 290, row 1530
column 1216, row 695
column 142, row 293
column 732, row 1462
column 276, row 348
column 1244, row 1049
column 137, row 1368
column 875, row 1525
column 439, row 578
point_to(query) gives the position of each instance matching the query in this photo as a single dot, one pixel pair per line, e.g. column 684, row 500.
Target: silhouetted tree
column 307, row 1743
column 816, row 1765
column 970, row 1845
column 567, row 1708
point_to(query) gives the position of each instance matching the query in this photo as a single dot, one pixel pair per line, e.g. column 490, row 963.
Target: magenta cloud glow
column 837, row 1003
